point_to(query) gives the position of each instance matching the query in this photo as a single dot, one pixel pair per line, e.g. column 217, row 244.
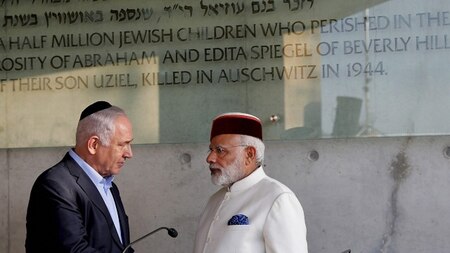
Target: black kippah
column 93, row 108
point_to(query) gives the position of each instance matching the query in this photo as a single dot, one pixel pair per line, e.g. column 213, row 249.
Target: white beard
column 228, row 176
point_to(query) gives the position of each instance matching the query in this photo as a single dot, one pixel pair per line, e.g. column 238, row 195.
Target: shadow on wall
column 346, row 123
column 312, row 124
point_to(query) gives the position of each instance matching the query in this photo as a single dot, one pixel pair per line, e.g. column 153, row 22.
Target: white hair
column 100, row 123
column 257, row 144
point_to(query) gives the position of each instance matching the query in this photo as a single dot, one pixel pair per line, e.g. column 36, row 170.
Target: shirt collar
column 96, row 178
column 248, row 181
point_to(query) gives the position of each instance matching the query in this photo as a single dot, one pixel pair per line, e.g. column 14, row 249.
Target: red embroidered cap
column 237, row 123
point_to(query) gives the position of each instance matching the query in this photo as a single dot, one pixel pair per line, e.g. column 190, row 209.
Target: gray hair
column 100, row 123
column 257, row 144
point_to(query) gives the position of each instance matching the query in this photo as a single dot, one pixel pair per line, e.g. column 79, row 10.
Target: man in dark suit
column 74, row 206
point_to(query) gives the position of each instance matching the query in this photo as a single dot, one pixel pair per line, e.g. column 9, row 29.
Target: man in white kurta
column 254, row 214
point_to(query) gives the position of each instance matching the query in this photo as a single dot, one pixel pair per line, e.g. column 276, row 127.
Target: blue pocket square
column 238, row 219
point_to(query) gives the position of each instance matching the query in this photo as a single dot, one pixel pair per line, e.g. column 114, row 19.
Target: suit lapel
column 92, row 192
column 122, row 215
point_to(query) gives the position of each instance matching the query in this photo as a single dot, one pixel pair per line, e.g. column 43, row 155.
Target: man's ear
column 93, row 144
column 250, row 154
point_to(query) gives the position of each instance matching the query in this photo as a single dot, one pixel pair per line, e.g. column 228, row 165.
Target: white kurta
column 276, row 219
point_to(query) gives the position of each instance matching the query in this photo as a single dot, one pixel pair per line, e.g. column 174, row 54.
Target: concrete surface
column 368, row 195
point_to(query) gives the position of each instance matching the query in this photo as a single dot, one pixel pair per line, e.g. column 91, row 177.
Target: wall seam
column 8, row 205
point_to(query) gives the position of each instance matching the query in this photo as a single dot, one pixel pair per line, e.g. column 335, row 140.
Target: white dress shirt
column 276, row 219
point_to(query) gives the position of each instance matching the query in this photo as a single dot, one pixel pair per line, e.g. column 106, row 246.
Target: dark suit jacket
column 66, row 213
